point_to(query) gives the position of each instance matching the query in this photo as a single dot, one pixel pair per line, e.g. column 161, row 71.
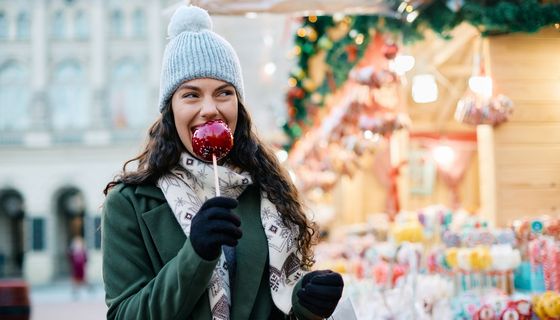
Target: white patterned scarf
column 190, row 184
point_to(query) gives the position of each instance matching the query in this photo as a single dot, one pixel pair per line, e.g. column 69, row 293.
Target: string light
column 311, row 34
column 402, row 64
column 292, row 82
column 444, row 155
column 359, row 39
column 481, row 85
column 412, row 16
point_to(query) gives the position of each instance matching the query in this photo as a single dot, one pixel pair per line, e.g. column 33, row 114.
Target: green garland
column 489, row 16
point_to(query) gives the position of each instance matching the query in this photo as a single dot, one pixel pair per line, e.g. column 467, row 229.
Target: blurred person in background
column 77, row 255
column 171, row 249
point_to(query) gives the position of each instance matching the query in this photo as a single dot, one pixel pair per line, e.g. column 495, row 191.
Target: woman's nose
column 209, row 109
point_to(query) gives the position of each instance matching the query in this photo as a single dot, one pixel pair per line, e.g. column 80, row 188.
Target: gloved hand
column 213, row 226
column 320, row 292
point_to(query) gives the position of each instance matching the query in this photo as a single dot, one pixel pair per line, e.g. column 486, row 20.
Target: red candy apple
column 212, row 138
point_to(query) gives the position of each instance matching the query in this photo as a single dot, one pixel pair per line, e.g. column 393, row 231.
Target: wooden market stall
column 527, row 148
column 508, row 171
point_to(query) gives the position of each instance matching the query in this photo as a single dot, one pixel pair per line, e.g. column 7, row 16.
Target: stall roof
column 295, row 7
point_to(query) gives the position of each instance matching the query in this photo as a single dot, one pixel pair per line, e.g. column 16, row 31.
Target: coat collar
column 151, row 191
column 251, row 251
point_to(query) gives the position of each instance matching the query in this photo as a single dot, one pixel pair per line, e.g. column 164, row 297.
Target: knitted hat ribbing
column 194, row 51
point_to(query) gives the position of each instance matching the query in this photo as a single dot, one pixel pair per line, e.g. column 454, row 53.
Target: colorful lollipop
column 211, row 142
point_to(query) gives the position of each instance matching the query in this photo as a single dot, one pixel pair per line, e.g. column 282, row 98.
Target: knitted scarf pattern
column 189, row 185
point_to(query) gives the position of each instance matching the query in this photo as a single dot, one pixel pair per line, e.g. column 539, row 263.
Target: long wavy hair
column 163, row 150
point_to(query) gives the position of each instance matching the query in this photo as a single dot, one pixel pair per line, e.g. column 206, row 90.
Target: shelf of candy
column 539, row 240
column 479, row 258
column 448, row 265
column 491, row 304
column 383, row 279
column 547, row 305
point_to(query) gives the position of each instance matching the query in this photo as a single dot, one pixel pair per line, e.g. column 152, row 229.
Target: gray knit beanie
column 194, row 51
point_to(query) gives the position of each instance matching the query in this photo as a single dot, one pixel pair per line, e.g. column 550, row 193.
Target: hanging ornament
column 390, row 50
column 474, row 111
column 352, row 52
column 325, row 43
column 309, row 85
column 293, row 94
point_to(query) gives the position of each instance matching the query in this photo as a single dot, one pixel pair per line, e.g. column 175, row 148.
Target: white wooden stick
column 216, row 181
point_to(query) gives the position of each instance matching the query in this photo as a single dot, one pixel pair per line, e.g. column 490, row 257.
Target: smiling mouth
column 194, row 128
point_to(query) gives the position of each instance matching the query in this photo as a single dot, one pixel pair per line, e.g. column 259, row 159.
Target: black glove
column 320, row 292
column 213, row 226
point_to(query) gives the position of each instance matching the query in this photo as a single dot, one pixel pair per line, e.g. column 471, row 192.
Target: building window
column 139, row 23
column 117, row 24
column 37, row 234
column 81, row 25
column 14, row 97
column 4, row 32
column 22, row 32
column 97, row 232
column 128, row 96
column 58, row 25
column 69, row 97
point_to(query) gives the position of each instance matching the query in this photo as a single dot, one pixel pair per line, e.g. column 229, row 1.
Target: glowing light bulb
column 481, row 85
column 424, row 88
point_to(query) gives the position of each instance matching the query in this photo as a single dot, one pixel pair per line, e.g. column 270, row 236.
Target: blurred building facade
column 78, row 88
column 79, row 81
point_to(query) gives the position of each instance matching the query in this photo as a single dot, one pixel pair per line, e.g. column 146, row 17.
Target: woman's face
column 198, row 101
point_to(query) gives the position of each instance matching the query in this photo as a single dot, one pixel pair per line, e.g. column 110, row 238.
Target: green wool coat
column 151, row 270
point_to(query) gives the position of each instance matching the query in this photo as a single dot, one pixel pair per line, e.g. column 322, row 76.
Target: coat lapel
column 164, row 229
column 251, row 253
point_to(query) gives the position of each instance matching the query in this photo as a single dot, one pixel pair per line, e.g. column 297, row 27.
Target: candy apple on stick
column 211, row 142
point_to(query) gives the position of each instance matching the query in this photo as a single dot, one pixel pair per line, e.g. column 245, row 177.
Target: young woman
column 171, row 249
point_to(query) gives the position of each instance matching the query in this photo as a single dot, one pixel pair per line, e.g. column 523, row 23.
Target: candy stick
column 216, row 180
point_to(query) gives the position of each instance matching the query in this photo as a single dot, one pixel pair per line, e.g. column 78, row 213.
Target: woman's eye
column 190, row 95
column 225, row 93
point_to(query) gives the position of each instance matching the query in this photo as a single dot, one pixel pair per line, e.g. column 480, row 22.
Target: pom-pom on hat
column 194, row 51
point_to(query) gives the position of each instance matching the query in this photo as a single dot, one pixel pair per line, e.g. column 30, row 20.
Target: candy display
column 547, row 305
column 449, row 265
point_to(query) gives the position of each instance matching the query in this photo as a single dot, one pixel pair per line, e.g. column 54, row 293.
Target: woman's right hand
column 215, row 225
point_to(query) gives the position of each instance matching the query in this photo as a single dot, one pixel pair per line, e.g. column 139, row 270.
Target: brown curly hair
column 163, row 150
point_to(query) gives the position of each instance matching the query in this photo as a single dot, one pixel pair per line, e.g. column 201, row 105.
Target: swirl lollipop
column 212, row 141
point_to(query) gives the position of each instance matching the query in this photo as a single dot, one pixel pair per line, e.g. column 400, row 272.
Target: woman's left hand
column 320, row 292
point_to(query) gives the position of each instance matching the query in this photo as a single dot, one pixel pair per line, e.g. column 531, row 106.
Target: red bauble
column 212, row 138
column 352, row 52
column 390, row 50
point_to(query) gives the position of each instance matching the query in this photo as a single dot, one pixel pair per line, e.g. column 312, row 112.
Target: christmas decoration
column 474, row 110
column 328, row 47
